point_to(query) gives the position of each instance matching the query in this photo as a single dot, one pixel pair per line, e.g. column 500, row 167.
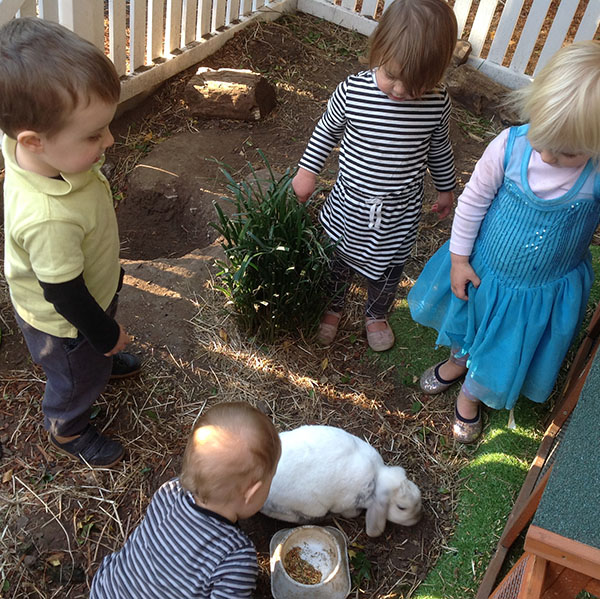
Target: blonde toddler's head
column 233, row 445
column 562, row 105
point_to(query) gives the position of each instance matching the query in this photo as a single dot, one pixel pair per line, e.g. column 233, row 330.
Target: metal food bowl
column 325, row 549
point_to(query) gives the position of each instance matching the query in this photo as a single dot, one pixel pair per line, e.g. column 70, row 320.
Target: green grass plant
column 495, row 469
column 277, row 260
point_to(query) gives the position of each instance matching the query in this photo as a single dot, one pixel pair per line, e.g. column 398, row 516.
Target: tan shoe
column 379, row 340
column 328, row 327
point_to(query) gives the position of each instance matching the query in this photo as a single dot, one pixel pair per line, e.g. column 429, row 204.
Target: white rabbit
column 324, row 469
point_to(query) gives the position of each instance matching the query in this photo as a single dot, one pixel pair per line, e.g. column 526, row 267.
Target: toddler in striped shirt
column 189, row 544
column 391, row 123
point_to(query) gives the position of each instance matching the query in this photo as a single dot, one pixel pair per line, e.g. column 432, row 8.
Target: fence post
column 84, row 18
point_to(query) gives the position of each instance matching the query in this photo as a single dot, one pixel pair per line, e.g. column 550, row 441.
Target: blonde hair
column 415, row 40
column 232, row 446
column 46, row 71
column 562, row 105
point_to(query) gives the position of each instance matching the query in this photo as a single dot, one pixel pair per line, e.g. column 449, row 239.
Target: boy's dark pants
column 76, row 374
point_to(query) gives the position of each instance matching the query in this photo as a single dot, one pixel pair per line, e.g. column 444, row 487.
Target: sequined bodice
column 530, row 242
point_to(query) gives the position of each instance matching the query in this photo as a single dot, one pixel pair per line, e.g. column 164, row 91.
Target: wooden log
column 229, row 94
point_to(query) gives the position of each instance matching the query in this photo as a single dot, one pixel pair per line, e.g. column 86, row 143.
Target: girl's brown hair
column 414, row 41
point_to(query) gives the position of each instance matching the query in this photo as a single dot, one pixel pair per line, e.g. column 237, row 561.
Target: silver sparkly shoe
column 467, row 431
column 432, row 383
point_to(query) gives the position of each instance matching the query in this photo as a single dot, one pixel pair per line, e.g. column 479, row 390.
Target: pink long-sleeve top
column 546, row 181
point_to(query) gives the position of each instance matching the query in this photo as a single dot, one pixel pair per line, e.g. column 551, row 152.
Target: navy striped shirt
column 386, row 146
column 179, row 551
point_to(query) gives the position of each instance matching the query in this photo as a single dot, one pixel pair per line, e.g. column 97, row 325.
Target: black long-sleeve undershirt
column 75, row 303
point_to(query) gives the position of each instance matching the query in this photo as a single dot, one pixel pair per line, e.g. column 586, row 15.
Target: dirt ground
column 62, row 519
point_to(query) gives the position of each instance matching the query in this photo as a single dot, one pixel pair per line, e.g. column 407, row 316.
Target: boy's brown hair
column 232, row 446
column 46, row 71
column 415, row 40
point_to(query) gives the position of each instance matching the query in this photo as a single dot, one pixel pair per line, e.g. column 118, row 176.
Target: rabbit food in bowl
column 299, row 569
column 309, row 561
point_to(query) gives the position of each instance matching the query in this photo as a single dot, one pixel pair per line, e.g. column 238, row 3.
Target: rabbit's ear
column 377, row 511
column 388, row 479
column 376, row 518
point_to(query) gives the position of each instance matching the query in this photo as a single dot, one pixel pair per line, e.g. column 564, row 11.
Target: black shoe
column 92, row 448
column 125, row 365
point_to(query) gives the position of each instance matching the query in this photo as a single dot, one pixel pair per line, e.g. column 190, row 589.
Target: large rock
column 461, row 54
column 229, row 94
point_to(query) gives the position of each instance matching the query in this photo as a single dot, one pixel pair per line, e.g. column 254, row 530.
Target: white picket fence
column 152, row 40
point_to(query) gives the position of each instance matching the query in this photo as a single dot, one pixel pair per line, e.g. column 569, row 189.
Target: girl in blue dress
column 508, row 292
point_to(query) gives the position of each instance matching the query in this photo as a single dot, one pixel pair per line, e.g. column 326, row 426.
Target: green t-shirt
column 55, row 230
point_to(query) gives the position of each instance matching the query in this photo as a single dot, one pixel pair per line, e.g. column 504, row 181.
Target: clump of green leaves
column 277, row 260
column 362, row 569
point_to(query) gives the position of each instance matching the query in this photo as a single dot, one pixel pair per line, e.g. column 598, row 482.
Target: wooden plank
column 258, row 4
column 533, row 578
column 349, row 5
column 558, row 30
column 481, row 25
column 156, row 29
column 526, row 513
column 218, row 14
column 567, row 584
column 461, row 10
column 188, row 20
column 137, row 34
column 561, row 550
column 87, row 20
column 246, row 7
column 204, row 21
column 233, row 11
column 505, row 29
column 48, row 10
column 589, row 22
column 117, row 23
column 574, row 384
column 173, row 26
column 369, row 8
column 8, row 9
column 28, row 9
column 529, row 35
column 593, row 587
column 337, row 15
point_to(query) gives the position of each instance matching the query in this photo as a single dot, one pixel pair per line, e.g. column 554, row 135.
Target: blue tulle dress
column 532, row 256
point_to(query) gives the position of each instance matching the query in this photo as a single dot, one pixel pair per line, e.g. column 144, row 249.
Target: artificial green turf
column 496, row 468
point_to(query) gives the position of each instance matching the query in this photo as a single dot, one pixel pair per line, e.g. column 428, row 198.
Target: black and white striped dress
column 179, row 551
column 386, row 146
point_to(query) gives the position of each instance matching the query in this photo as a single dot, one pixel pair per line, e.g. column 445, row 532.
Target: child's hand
column 461, row 274
column 122, row 342
column 444, row 203
column 303, row 184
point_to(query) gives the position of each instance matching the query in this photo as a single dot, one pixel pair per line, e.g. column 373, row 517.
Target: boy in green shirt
column 58, row 95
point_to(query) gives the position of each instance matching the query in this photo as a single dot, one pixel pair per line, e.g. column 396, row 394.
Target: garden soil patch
column 62, row 518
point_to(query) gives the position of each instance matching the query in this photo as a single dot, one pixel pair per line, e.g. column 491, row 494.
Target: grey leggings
column 380, row 292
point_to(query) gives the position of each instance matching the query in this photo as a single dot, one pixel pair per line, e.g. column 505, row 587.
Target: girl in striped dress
column 508, row 292
column 391, row 123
